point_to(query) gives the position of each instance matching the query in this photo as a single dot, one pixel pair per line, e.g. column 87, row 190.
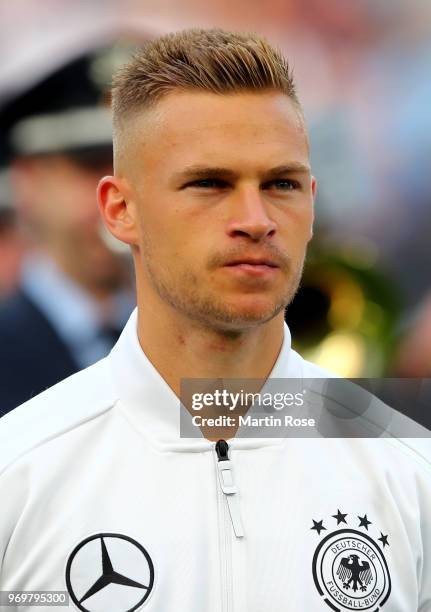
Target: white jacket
column 100, row 497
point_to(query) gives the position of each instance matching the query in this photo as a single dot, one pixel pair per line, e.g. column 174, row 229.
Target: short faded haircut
column 213, row 60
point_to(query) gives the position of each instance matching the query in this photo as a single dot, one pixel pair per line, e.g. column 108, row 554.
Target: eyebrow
column 201, row 172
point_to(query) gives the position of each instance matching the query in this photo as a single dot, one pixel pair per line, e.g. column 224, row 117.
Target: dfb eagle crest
column 354, row 573
column 349, row 564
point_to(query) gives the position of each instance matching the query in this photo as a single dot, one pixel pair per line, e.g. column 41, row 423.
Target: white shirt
column 100, row 497
column 72, row 312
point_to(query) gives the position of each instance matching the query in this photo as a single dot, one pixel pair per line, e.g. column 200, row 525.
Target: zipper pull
column 229, row 487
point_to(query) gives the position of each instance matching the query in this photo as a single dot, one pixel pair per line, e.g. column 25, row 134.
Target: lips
column 253, row 262
column 253, row 268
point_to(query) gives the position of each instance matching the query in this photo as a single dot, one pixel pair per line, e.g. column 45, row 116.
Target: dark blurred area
column 72, row 291
column 364, row 307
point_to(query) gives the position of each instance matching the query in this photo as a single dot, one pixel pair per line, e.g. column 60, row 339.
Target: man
column 414, row 358
column 11, row 243
column 73, row 291
column 103, row 498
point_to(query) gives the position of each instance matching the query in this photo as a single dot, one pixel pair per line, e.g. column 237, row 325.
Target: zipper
column 228, row 487
column 230, row 519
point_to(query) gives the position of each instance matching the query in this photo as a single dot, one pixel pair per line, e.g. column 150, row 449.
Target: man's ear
column 313, row 187
column 313, row 196
column 117, row 210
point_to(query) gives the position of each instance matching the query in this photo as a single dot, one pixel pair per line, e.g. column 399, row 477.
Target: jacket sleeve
column 13, row 491
column 424, row 495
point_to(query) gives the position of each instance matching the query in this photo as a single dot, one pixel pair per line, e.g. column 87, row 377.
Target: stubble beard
column 182, row 294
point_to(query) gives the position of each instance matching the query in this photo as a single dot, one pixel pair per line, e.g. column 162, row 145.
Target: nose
column 248, row 216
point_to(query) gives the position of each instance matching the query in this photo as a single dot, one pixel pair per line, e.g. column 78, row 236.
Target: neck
column 182, row 348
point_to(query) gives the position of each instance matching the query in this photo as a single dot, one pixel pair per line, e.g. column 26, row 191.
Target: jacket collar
column 152, row 407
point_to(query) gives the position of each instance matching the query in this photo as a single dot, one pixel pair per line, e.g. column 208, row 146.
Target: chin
column 256, row 317
column 249, row 315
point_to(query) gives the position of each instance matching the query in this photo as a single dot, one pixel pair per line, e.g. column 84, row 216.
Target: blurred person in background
column 11, row 243
column 74, row 293
column 414, row 354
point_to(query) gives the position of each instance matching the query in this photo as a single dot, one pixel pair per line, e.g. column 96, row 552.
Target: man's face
column 222, row 192
column 58, row 195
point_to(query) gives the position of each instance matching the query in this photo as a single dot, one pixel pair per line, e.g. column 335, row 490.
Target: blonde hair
column 212, row 60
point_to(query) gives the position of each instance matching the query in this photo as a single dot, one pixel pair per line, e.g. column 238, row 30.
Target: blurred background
column 362, row 70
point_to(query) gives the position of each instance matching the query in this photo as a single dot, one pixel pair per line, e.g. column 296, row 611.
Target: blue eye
column 207, row 184
column 215, row 183
column 283, row 184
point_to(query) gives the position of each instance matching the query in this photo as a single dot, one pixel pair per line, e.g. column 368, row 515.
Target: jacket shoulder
column 374, row 418
column 65, row 406
column 417, row 450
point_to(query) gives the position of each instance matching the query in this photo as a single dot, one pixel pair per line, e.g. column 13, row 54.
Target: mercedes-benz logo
column 109, row 572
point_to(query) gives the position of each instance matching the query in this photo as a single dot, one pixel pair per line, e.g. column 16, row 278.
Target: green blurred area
column 346, row 313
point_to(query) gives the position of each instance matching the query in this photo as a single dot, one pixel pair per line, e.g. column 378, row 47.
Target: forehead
column 195, row 127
